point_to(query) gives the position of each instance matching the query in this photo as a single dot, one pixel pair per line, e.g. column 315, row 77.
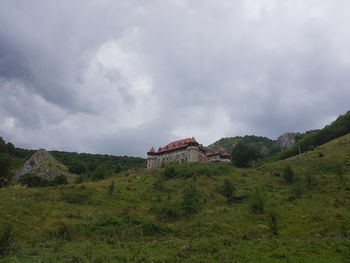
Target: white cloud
column 119, row 76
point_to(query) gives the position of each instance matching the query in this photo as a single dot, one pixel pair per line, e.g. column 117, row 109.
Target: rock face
column 286, row 140
column 43, row 164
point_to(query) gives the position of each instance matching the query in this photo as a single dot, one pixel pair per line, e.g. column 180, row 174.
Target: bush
column 79, row 179
column 258, row 200
column 227, row 189
column 273, row 222
column 61, row 231
column 297, row 191
column 110, row 188
column 6, row 240
column 310, row 180
column 191, row 199
column 340, row 173
column 169, row 171
column 59, row 180
column 5, row 171
column 288, row 174
column 243, row 154
column 32, row 180
column 75, row 197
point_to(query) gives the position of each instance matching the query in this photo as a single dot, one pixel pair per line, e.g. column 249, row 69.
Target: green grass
column 324, row 159
column 143, row 220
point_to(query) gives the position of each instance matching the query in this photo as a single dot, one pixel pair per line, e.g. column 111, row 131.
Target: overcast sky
column 117, row 77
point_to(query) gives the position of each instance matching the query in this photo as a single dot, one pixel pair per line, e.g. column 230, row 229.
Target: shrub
column 258, row 200
column 273, row 222
column 61, row 231
column 191, row 199
column 320, row 154
column 243, row 154
column 59, row 180
column 32, row 180
column 79, row 179
column 227, row 189
column 5, row 171
column 340, row 173
column 297, row 191
column 75, row 197
column 110, row 188
column 288, row 174
column 6, row 240
column 169, row 212
column 310, row 180
column 169, row 171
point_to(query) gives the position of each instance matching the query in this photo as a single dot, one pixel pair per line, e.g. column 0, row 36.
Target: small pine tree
column 6, row 240
column 273, row 223
column 258, row 200
column 191, row 199
column 227, row 189
column 288, row 174
column 110, row 189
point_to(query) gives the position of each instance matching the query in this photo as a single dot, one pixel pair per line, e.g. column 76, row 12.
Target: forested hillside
column 309, row 141
column 264, row 145
column 88, row 166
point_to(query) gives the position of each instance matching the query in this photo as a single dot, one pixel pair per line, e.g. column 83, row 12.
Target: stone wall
column 189, row 154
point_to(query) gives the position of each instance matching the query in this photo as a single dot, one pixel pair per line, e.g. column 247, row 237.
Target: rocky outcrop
column 42, row 164
column 286, row 140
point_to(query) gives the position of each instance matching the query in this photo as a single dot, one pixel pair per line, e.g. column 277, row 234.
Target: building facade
column 218, row 157
column 185, row 150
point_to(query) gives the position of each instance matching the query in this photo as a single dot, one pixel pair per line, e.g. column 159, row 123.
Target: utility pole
column 299, row 152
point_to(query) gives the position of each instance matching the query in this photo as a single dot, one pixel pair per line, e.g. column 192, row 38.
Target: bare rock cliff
column 286, row 140
column 43, row 164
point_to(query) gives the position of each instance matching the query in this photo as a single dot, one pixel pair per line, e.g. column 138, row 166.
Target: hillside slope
column 141, row 216
column 312, row 139
column 324, row 159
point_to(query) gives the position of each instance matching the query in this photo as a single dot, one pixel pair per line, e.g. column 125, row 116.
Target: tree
column 191, row 199
column 77, row 167
column 5, row 171
column 10, row 148
column 110, row 188
column 288, row 174
column 58, row 180
column 227, row 189
column 243, row 154
column 2, row 145
column 258, row 200
column 32, row 180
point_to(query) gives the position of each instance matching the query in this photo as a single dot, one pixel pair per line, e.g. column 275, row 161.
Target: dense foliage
column 264, row 145
column 309, row 141
column 244, row 154
column 97, row 166
column 33, row 180
column 5, row 170
column 89, row 166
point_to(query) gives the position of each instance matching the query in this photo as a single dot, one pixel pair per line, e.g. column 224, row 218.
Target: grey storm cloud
column 120, row 76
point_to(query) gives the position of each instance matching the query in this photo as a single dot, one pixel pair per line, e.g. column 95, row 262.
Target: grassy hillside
column 330, row 158
column 338, row 128
column 145, row 217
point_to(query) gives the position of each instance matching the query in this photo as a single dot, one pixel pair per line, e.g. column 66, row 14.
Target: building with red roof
column 185, row 150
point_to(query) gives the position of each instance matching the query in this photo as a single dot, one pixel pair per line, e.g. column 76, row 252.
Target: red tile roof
column 152, row 150
column 177, row 145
